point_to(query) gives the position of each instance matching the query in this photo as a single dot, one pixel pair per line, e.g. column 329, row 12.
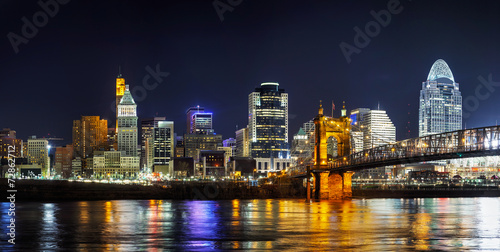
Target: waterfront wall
column 61, row 190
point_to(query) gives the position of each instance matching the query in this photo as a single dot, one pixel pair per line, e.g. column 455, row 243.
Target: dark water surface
column 448, row 224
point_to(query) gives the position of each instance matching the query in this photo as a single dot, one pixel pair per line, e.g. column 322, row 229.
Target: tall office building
column 194, row 143
column 199, row 121
column 127, row 124
column 147, row 128
column 268, row 121
column 268, row 127
column 440, row 102
column 376, row 127
column 89, row 134
column 242, row 143
column 371, row 128
column 163, row 148
column 38, row 153
column 63, row 161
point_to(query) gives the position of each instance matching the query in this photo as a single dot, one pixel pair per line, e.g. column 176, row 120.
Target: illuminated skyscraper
column 127, row 124
column 268, row 127
column 268, row 121
column 242, row 143
column 440, row 102
column 147, row 136
column 163, row 148
column 199, row 121
column 376, row 127
column 89, row 134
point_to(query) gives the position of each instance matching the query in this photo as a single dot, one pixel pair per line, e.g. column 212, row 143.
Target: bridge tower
column 331, row 185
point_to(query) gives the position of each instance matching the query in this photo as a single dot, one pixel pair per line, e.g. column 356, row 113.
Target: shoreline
column 63, row 190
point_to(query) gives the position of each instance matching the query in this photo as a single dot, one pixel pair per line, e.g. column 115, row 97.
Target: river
column 447, row 224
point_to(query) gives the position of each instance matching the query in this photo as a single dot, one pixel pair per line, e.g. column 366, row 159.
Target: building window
column 260, row 165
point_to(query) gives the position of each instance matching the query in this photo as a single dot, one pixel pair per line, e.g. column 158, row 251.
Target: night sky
column 68, row 68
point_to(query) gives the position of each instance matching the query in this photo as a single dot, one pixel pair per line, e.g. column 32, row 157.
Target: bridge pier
column 331, row 185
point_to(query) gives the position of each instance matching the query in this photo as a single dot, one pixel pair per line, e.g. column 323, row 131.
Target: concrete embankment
column 61, row 190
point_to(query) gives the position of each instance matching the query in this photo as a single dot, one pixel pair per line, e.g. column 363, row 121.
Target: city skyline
column 63, row 89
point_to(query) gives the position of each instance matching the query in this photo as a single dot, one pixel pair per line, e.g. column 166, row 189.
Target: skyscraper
column 127, row 124
column 268, row 121
column 242, row 143
column 440, row 102
column 63, row 160
column 147, row 134
column 268, row 127
column 163, row 147
column 89, row 134
column 376, row 127
column 371, row 128
column 199, row 121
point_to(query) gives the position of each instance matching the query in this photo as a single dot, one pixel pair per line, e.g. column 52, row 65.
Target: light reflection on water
column 359, row 224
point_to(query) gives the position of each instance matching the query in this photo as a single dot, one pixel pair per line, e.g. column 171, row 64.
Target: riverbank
column 62, row 190
column 430, row 192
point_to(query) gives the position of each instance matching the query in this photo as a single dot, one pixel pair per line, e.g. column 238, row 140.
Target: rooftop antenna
column 378, row 107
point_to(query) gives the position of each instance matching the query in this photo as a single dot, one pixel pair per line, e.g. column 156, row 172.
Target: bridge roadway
column 477, row 142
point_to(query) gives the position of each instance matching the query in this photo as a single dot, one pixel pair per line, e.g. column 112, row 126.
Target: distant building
column 76, row 167
column 147, row 128
column 268, row 121
column 184, row 167
column 63, row 161
column 302, row 148
column 194, row 143
column 242, row 167
column 113, row 164
column 213, row 163
column 38, row 153
column 231, row 144
column 268, row 127
column 127, row 124
column 179, row 147
column 242, row 143
column 375, row 128
column 8, row 138
column 228, row 152
column 163, row 148
column 199, row 121
column 440, row 102
column 89, row 134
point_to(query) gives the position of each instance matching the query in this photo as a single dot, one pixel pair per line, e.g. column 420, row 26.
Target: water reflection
column 361, row 225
